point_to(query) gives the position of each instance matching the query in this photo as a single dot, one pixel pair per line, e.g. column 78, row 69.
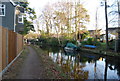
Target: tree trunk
column 76, row 21
column 106, row 68
column 107, row 44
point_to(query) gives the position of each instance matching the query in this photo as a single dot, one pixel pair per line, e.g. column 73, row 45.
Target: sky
column 90, row 5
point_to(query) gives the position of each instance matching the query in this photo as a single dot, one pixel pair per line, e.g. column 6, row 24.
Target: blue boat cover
column 90, row 46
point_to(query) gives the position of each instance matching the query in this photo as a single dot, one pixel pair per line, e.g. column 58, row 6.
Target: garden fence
column 11, row 44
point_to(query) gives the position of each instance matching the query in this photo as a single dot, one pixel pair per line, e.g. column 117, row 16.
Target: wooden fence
column 11, row 44
column 0, row 49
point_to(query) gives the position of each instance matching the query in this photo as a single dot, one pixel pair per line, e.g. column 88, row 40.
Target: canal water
column 84, row 65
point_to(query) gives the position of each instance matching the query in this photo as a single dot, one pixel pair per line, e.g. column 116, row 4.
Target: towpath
column 32, row 67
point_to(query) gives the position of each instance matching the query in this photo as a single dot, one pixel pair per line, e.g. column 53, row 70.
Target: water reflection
column 86, row 66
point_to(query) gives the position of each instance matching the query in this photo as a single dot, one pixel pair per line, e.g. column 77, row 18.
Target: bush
column 97, row 43
column 64, row 41
column 112, row 44
column 84, row 43
column 73, row 41
column 42, row 40
column 91, row 41
column 48, row 41
column 52, row 41
column 88, row 42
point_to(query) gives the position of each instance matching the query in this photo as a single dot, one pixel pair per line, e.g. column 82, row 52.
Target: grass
column 53, row 71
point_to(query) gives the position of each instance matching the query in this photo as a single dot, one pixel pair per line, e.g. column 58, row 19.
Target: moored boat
column 70, row 47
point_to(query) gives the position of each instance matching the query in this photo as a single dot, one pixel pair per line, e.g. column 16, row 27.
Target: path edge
column 4, row 70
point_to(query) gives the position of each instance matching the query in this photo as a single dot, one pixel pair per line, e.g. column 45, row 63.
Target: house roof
column 13, row 3
column 94, row 30
column 114, row 28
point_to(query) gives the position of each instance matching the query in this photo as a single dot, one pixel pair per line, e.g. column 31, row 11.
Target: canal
column 84, row 65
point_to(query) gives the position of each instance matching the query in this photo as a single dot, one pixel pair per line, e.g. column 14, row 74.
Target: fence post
column 7, row 47
column 0, row 49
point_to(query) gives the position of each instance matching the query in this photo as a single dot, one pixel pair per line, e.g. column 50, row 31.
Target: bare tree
column 65, row 18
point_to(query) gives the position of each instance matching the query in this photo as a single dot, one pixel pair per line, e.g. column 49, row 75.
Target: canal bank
column 100, row 52
column 51, row 69
column 85, row 65
column 59, row 64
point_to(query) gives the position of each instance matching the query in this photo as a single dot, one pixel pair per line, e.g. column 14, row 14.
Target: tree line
column 64, row 18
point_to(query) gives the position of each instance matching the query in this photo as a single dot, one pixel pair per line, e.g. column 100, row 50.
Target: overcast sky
column 90, row 5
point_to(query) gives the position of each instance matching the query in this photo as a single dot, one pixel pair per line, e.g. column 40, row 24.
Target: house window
column 2, row 10
column 20, row 19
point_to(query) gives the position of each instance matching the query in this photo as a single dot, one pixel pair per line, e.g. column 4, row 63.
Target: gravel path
column 32, row 67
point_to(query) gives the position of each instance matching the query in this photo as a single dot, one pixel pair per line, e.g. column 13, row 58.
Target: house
column 11, row 42
column 11, row 16
column 96, row 33
column 19, row 19
column 114, row 31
